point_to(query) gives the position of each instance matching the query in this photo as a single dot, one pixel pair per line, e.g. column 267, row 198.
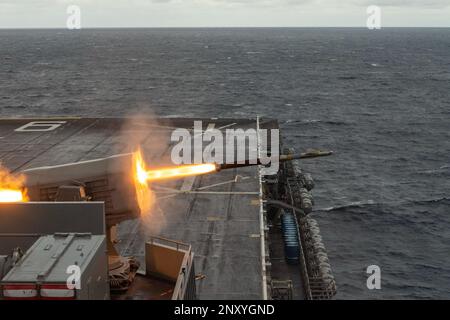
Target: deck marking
column 40, row 126
column 235, row 180
column 212, row 127
column 262, row 226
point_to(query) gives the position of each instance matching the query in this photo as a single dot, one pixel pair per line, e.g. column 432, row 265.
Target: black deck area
column 218, row 214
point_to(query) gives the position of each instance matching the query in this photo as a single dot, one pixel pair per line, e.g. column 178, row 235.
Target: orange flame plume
column 11, row 187
column 144, row 175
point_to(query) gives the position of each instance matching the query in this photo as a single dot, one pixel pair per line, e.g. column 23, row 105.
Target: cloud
column 404, row 3
column 193, row 13
column 320, row 3
column 341, row 3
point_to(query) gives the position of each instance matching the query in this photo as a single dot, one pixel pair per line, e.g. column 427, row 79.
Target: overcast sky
column 223, row 13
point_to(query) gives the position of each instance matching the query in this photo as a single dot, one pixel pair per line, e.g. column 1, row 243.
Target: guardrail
column 315, row 287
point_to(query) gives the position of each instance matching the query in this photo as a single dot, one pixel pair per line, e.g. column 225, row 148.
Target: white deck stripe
column 261, row 220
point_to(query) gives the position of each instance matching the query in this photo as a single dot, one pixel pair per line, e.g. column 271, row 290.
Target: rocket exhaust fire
column 11, row 187
column 16, row 189
column 10, row 195
column 144, row 175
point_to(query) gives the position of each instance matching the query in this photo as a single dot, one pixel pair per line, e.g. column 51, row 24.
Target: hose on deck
column 284, row 205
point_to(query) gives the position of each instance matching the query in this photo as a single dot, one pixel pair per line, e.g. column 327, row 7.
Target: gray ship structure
column 81, row 232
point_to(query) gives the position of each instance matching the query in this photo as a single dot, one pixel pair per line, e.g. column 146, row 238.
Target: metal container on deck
column 64, row 266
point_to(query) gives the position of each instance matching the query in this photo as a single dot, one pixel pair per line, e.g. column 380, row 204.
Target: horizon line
column 227, row 27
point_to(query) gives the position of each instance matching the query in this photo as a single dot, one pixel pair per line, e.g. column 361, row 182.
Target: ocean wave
column 426, row 201
column 440, row 170
column 372, row 203
column 313, row 121
column 356, row 204
column 347, row 78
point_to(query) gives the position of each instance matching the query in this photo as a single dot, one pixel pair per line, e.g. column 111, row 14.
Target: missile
column 310, row 154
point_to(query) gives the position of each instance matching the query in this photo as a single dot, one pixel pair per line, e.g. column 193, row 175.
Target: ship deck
column 218, row 214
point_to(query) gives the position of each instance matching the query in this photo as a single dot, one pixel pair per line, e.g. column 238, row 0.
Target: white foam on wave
column 351, row 204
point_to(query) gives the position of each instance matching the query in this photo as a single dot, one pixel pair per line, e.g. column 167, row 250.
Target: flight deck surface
column 218, row 214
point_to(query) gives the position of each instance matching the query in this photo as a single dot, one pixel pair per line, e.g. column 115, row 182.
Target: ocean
column 379, row 99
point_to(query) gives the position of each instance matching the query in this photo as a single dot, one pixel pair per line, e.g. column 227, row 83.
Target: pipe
column 284, row 205
column 282, row 158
